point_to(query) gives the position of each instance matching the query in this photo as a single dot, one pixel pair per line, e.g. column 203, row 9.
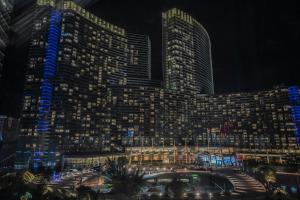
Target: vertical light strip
column 49, row 72
column 294, row 98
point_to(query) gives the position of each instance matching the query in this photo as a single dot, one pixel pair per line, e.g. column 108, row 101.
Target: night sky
column 255, row 44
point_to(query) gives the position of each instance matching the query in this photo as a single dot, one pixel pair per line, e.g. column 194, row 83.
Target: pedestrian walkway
column 244, row 185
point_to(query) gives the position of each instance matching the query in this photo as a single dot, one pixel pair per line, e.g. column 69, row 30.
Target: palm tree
column 85, row 193
column 122, row 163
column 23, row 186
column 279, row 194
column 176, row 188
column 15, row 186
column 123, row 181
column 136, row 181
column 116, row 167
column 111, row 167
column 268, row 176
column 128, row 184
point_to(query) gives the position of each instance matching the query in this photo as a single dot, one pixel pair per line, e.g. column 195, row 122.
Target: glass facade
column 258, row 120
column 82, row 96
column 76, row 66
column 140, row 57
column 187, row 63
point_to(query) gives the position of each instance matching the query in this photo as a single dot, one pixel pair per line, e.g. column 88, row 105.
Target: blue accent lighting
column 129, row 133
column 294, row 99
column 49, row 72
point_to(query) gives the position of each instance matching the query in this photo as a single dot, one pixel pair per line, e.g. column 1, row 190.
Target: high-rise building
column 9, row 128
column 255, row 120
column 140, row 59
column 81, row 95
column 9, row 131
column 75, row 59
column 187, row 63
column 5, row 9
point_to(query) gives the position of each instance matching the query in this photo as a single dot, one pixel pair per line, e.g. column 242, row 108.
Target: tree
column 111, row 167
column 116, row 167
column 129, row 184
column 19, row 185
column 122, row 162
column 85, row 193
column 279, row 194
column 268, row 176
column 22, row 186
column 176, row 188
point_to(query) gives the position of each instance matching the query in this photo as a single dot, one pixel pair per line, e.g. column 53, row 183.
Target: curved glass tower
column 187, row 64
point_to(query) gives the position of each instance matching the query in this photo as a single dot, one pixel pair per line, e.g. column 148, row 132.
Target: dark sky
column 255, row 43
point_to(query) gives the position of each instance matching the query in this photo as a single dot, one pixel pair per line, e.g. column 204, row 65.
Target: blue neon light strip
column 46, row 85
column 49, row 72
column 294, row 98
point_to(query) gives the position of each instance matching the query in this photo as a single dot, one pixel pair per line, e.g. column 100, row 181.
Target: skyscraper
column 75, row 59
column 88, row 85
column 5, row 9
column 140, row 60
column 187, row 64
column 9, row 129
